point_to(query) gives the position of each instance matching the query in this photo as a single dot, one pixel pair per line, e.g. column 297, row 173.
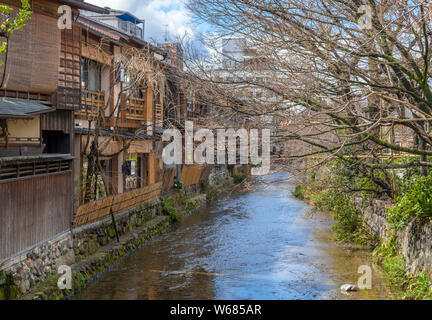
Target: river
column 256, row 244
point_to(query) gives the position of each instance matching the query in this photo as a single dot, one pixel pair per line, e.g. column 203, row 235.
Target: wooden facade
column 36, row 185
column 33, row 210
column 132, row 164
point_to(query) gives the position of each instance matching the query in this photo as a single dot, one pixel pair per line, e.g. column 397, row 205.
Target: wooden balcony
column 91, row 103
column 135, row 109
column 192, row 115
column 197, row 118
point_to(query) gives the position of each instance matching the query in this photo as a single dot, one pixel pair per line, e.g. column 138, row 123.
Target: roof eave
column 85, row 6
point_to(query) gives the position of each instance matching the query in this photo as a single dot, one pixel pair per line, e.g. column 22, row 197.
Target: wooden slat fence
column 97, row 210
column 191, row 175
column 33, row 210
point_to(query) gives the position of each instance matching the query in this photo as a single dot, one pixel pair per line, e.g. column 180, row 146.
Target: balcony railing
column 135, row 109
column 192, row 115
column 91, row 102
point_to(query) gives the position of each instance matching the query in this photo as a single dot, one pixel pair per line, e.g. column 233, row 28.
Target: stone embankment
column 414, row 241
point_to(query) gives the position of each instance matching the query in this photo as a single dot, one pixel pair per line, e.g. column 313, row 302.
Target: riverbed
column 258, row 244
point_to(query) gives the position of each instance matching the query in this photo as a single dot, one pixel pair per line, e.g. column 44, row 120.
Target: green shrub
column 239, row 177
column 178, row 185
column 312, row 176
column 300, row 191
column 204, row 186
column 349, row 223
column 170, row 210
column 415, row 201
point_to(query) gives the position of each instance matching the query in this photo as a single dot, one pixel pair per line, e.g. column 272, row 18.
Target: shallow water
column 259, row 244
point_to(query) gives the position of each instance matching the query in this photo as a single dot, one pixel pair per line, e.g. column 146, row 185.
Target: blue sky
column 159, row 16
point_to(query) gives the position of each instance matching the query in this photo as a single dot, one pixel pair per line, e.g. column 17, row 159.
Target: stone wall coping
column 22, row 255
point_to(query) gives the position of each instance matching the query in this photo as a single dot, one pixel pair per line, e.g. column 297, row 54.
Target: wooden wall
column 60, row 120
column 33, row 210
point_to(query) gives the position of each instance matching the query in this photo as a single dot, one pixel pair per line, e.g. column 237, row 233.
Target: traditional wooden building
column 123, row 117
column 40, row 91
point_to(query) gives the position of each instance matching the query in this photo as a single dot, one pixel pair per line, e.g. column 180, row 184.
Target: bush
column 300, row 191
column 415, row 201
column 169, row 209
column 239, row 177
column 349, row 223
column 178, row 185
column 211, row 192
column 204, row 186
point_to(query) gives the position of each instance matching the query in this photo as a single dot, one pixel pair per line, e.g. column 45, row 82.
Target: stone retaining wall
column 89, row 269
column 23, row 272
column 89, row 250
column 414, row 242
column 88, row 239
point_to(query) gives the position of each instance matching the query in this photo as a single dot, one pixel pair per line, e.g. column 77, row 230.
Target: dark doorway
column 56, row 142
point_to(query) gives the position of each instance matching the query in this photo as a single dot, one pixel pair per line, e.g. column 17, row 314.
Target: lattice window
column 33, row 169
column 69, row 91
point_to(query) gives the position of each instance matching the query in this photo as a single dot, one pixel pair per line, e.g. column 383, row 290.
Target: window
column 15, row 171
column 133, row 173
column 91, row 75
column 125, row 80
column 124, row 26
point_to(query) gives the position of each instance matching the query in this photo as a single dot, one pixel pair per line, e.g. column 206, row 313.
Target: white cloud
column 159, row 16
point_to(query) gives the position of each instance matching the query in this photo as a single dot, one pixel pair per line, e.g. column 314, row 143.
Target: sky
column 160, row 16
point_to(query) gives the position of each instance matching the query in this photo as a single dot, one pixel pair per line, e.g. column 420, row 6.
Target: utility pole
column 166, row 33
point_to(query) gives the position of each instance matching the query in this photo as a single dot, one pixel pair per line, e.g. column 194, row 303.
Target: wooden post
column 152, row 168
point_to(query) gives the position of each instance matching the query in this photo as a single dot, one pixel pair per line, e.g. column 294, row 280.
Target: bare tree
column 343, row 74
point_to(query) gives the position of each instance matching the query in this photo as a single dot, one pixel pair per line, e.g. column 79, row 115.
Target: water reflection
column 261, row 244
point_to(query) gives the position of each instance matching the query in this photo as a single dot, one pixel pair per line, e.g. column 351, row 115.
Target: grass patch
column 179, row 202
column 392, row 263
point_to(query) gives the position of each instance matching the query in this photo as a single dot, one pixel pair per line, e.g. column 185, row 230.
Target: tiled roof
column 22, row 108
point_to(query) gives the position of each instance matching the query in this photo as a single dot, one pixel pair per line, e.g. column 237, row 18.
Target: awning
column 21, row 108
